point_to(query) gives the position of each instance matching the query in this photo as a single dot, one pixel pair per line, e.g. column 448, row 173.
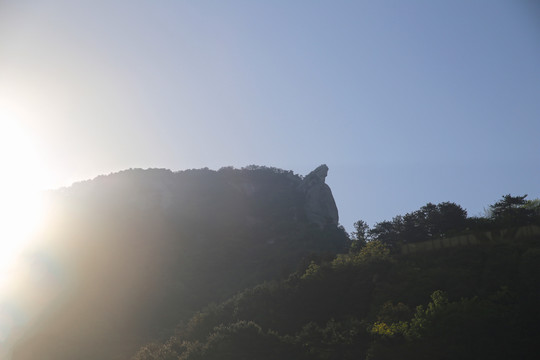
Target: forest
column 469, row 302
column 251, row 264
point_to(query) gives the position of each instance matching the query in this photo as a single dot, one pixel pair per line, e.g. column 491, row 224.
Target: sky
column 407, row 102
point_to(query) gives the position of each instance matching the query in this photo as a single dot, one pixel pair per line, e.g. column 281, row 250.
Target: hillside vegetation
column 252, row 264
column 470, row 302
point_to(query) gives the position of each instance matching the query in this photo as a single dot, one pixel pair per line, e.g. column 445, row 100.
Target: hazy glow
column 20, row 179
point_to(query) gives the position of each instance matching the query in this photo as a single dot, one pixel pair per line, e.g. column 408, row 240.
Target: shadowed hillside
column 465, row 301
column 251, row 264
column 141, row 250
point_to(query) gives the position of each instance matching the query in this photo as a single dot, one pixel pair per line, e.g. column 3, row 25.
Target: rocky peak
column 318, row 175
column 320, row 207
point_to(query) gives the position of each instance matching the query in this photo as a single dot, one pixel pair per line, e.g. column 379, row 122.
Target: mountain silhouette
column 138, row 251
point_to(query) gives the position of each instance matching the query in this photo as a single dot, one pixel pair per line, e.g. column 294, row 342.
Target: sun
column 20, row 193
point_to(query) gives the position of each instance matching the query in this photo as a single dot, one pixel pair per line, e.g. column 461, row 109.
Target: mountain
column 433, row 283
column 130, row 255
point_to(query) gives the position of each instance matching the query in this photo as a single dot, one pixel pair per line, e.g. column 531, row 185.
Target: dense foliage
column 226, row 264
column 470, row 302
column 448, row 219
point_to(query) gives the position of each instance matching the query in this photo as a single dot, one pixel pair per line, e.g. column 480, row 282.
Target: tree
column 533, row 206
column 444, row 218
column 415, row 227
column 360, row 235
column 387, row 232
column 512, row 211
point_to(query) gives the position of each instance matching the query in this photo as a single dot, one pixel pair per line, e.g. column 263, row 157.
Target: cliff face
column 145, row 248
column 319, row 207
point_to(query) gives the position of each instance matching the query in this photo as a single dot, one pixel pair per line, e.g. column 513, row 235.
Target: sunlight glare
column 20, row 193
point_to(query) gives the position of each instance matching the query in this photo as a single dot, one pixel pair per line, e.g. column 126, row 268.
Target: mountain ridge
column 152, row 246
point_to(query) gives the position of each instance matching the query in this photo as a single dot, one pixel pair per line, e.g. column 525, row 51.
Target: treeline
column 447, row 219
column 477, row 302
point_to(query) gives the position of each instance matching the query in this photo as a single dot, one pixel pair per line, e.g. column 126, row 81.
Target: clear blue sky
column 407, row 102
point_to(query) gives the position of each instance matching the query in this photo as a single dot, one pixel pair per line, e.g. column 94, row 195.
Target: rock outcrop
column 144, row 249
column 320, row 207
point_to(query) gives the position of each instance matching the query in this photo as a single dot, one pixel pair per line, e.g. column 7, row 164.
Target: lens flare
column 20, row 195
